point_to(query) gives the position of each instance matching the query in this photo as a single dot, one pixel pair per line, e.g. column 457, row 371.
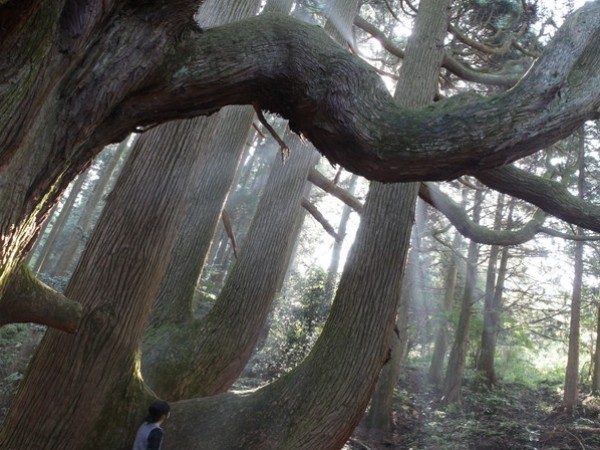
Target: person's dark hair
column 156, row 410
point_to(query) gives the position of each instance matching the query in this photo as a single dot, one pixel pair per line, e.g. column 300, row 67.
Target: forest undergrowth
column 511, row 416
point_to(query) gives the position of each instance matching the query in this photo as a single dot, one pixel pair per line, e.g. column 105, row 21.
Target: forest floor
column 511, row 416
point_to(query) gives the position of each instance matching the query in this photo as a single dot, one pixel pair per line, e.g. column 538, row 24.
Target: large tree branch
column 27, row 299
column 551, row 196
column 455, row 213
column 457, row 216
column 342, row 106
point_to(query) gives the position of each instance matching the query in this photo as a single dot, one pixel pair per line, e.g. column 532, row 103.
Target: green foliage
column 508, row 416
column 296, row 324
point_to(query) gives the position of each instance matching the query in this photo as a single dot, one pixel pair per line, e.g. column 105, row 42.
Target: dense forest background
column 497, row 337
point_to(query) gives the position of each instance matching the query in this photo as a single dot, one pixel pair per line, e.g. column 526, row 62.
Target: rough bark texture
column 551, row 196
column 319, row 403
column 218, row 142
column 76, row 76
column 86, row 384
column 205, row 357
column 27, row 299
column 417, row 86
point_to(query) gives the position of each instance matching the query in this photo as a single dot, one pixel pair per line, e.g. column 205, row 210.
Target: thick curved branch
column 340, row 104
column 455, row 213
column 452, row 64
column 550, row 196
column 457, row 216
column 27, row 299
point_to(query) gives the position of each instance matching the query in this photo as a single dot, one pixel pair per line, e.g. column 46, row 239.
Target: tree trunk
column 87, row 386
column 332, row 271
column 571, row 387
column 79, row 77
column 228, row 129
column 596, row 362
column 458, row 355
column 493, row 310
column 319, row 403
column 485, row 362
column 441, row 341
column 66, row 259
column 208, row 354
column 417, row 86
column 43, row 263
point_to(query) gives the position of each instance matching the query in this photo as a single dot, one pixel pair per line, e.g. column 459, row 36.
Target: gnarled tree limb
column 342, row 106
column 455, row 213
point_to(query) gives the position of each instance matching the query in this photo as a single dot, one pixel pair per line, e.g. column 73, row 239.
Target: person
column 150, row 435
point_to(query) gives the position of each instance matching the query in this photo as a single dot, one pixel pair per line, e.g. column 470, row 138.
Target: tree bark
column 441, row 341
column 417, row 86
column 571, row 386
column 314, row 406
column 492, row 307
column 596, row 362
column 334, row 262
column 87, row 384
column 458, row 355
column 206, row 355
column 81, row 76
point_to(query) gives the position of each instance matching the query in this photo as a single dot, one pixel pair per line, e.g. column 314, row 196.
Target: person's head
column 157, row 411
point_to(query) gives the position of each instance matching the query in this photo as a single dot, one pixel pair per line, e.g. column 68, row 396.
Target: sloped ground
column 511, row 416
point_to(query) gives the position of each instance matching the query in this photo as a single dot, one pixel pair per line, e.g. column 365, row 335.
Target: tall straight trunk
column 419, row 302
column 458, row 355
column 43, row 262
column 65, row 261
column 38, row 247
column 334, row 262
column 440, row 347
column 485, row 362
column 493, row 305
column 596, row 359
column 571, row 386
column 379, row 417
column 417, row 86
